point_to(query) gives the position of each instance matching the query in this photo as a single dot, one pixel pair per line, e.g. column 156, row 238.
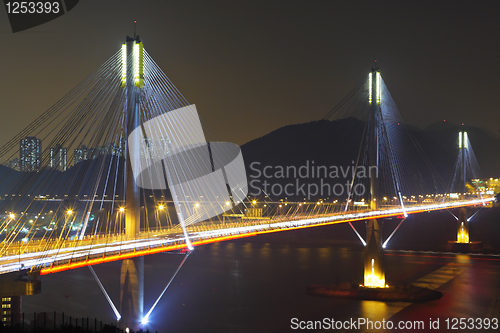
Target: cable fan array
column 65, row 186
column 405, row 174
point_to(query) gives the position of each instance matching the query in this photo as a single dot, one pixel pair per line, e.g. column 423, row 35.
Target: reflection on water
column 304, row 259
column 215, row 249
column 375, row 310
column 463, row 259
column 265, row 251
column 247, row 250
column 323, row 254
column 284, row 249
column 235, row 272
column 229, row 245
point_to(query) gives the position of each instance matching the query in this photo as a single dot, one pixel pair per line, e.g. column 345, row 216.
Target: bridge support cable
column 113, row 307
column 449, row 211
column 145, row 319
column 181, row 218
column 402, row 205
column 179, row 125
column 392, row 234
column 349, row 194
column 470, row 218
column 357, row 233
column 391, row 149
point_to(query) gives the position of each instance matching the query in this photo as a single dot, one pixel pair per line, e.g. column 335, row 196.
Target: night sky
column 252, row 67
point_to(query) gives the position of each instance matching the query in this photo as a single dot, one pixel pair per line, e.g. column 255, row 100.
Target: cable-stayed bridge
column 146, row 180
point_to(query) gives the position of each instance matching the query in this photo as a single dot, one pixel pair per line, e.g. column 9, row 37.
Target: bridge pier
column 463, row 242
column 463, row 227
column 374, row 257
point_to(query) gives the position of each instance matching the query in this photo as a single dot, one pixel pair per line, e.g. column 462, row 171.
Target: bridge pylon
column 463, row 223
column 463, row 242
column 132, row 270
column 374, row 270
column 132, row 62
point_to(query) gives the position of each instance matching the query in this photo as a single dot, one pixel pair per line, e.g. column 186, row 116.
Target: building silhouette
column 14, row 164
column 30, row 152
column 58, row 158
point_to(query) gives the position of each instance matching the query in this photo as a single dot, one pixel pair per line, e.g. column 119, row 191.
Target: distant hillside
column 337, row 143
column 54, row 182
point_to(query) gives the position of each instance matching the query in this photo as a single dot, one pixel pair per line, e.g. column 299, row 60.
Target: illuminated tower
column 374, row 275
column 132, row 270
column 132, row 81
column 463, row 223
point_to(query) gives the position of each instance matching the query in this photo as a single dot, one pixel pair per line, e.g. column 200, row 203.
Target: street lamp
column 68, row 213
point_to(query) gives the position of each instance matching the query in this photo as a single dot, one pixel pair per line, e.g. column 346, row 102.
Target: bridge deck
column 95, row 250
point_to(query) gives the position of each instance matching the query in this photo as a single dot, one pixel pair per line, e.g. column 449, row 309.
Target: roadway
column 53, row 256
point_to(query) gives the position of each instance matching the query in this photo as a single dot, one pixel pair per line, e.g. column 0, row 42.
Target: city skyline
column 58, row 155
column 31, row 155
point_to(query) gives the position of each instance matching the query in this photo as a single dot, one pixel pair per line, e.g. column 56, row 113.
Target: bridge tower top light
column 463, row 144
column 463, row 140
column 374, row 86
column 133, row 51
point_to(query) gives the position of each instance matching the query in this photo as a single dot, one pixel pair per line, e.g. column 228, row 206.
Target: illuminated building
column 58, row 158
column 30, row 151
column 11, row 309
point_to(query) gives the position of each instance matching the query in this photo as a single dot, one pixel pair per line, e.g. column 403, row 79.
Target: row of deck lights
column 254, row 202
